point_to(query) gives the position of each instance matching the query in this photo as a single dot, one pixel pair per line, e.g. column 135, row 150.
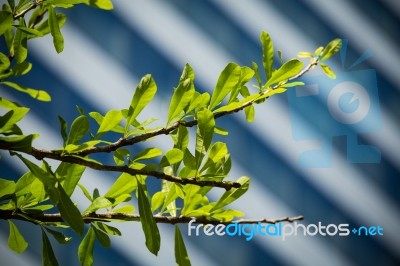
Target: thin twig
column 33, row 5
column 165, row 131
column 109, row 217
column 41, row 154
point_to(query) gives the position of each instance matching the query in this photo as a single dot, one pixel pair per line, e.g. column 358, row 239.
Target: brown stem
column 109, row 217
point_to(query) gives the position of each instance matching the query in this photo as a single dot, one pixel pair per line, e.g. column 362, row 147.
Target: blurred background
column 302, row 154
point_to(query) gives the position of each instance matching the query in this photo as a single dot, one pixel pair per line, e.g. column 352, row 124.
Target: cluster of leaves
column 188, row 170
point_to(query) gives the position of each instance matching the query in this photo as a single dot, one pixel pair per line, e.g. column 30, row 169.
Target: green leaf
column 108, row 229
column 187, row 73
column 120, row 155
column 144, row 93
column 71, row 173
column 8, row 120
column 48, row 180
column 19, row 143
column 79, row 128
column 60, row 237
column 286, row 71
column 180, row 99
column 6, row 21
column 257, row 74
column 233, row 194
column 199, row 101
column 236, row 105
column 58, row 39
column 227, row 81
column 125, row 184
column 332, row 48
column 7, row 187
column 127, row 209
column 29, row 31
column 20, row 43
column 21, row 68
column 111, row 120
column 305, row 55
column 4, row 62
column 270, row 92
column 249, row 111
column 149, row 225
column 146, row 154
column 65, row 2
column 37, row 94
column 16, row 241
column 102, row 237
column 157, row 200
column 292, row 84
column 181, row 255
column 63, row 129
column 318, row 51
column 217, row 152
column 44, row 26
column 268, row 53
column 102, row 4
column 171, row 157
column 69, row 212
column 48, row 257
column 85, row 192
column 204, row 134
column 328, row 71
column 85, row 250
column 98, row 203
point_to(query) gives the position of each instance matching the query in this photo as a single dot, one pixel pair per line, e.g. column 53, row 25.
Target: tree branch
column 167, row 130
column 41, row 154
column 33, row 5
column 109, row 217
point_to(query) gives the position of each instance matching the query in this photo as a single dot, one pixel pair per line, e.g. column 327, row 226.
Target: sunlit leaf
column 204, row 134
column 144, row 93
column 98, row 203
column 125, row 184
column 328, row 71
column 286, row 71
column 268, row 53
column 7, row 187
column 146, row 154
column 8, row 120
column 85, row 250
column 227, row 81
column 149, row 225
column 171, row 157
column 6, row 21
column 180, row 99
column 20, row 43
column 37, row 94
column 110, row 120
column 157, row 200
column 102, row 4
column 58, row 39
column 16, row 241
column 332, row 48
column 79, row 128
column 233, row 194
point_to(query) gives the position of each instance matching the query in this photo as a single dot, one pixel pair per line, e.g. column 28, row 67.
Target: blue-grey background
column 105, row 55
